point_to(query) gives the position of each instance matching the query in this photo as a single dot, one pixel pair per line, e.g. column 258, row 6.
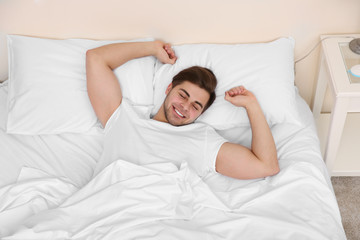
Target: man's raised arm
column 237, row 161
column 102, row 85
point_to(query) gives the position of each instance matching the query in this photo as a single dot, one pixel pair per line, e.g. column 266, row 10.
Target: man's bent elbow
column 273, row 169
column 271, row 166
column 92, row 55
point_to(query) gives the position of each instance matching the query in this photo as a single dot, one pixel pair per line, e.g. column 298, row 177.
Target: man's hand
column 240, row 97
column 164, row 52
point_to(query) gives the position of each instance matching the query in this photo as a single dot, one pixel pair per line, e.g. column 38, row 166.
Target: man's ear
column 168, row 89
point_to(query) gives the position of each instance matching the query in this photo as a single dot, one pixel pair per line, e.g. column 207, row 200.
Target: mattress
column 47, row 192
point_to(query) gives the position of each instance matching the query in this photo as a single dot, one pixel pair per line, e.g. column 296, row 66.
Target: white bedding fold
column 33, row 192
column 121, row 197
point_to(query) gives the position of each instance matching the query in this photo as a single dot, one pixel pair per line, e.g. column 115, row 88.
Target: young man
column 160, row 137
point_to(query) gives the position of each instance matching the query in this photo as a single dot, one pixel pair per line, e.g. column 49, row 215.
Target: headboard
column 186, row 21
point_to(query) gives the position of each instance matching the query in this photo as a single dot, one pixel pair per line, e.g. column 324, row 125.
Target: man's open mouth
column 178, row 113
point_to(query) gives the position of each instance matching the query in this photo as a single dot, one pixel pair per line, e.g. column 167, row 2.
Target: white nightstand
column 336, row 60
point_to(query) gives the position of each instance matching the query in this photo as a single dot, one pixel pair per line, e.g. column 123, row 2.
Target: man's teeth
column 178, row 113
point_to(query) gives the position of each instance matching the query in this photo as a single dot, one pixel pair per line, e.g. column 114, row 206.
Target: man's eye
column 181, row 95
column 194, row 106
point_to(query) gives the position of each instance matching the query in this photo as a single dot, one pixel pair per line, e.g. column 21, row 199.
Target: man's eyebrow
column 187, row 94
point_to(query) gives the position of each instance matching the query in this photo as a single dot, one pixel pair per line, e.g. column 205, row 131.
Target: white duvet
column 127, row 201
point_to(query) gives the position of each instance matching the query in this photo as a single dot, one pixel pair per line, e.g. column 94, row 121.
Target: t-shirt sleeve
column 143, row 111
column 213, row 143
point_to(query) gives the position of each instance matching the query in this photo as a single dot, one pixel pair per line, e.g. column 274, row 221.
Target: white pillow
column 266, row 69
column 47, row 84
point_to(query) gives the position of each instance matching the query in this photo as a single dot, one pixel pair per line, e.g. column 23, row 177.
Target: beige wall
column 186, row 21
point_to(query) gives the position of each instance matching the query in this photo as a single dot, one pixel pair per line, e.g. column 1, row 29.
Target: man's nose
column 186, row 105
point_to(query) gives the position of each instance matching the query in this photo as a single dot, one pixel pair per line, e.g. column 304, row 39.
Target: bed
column 51, row 142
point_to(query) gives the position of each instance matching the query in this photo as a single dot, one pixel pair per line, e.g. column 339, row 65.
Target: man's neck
column 160, row 115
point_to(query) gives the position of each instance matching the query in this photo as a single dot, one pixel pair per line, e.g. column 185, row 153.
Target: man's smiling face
column 184, row 103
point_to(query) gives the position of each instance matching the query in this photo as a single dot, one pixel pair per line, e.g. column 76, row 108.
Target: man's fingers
column 236, row 91
column 170, row 52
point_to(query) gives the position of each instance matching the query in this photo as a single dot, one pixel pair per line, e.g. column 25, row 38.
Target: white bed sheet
column 67, row 155
column 126, row 201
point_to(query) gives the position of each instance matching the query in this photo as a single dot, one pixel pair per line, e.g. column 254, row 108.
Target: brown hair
column 200, row 76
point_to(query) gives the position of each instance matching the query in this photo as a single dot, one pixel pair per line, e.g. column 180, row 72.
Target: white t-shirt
column 131, row 135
